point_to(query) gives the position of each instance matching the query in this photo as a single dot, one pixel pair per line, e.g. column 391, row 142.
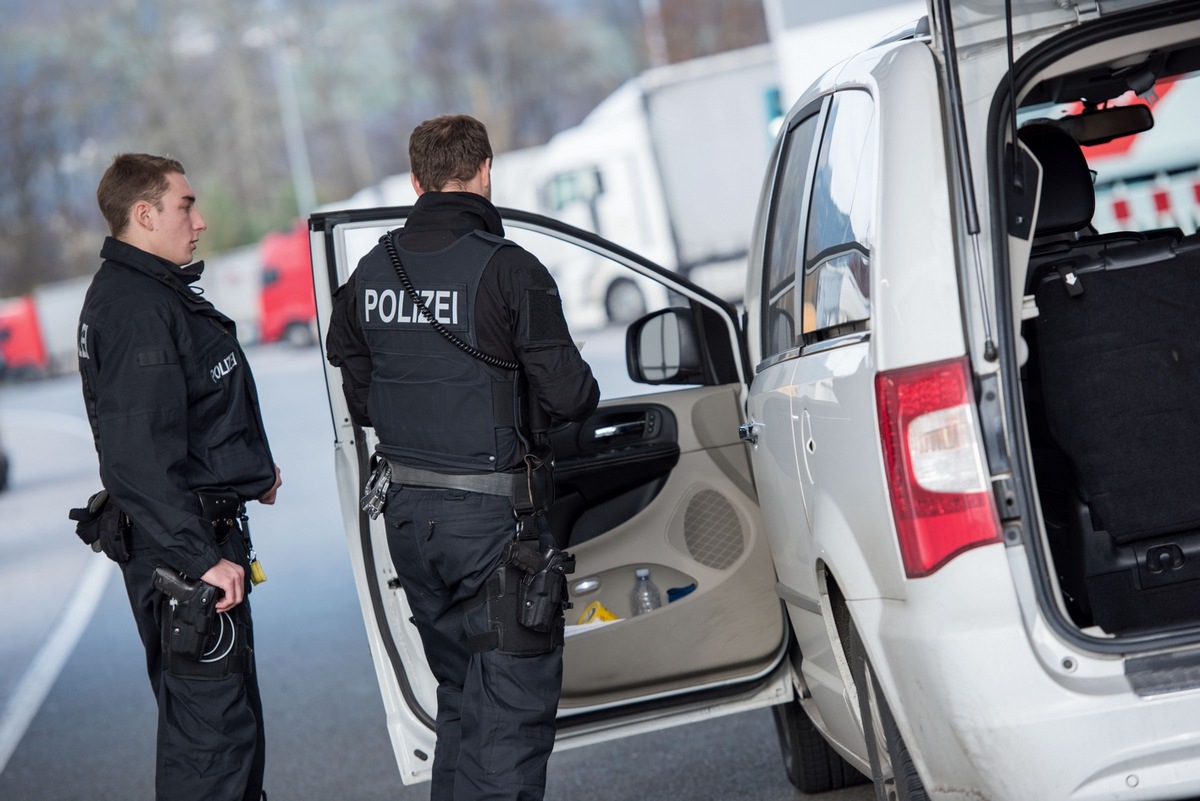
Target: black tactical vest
column 434, row 406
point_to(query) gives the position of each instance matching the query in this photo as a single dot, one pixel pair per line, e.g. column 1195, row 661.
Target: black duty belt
column 485, row 483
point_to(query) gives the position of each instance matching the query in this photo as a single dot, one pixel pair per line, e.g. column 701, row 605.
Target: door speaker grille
column 712, row 531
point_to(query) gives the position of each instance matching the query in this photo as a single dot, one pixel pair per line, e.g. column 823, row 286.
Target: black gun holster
column 525, row 598
column 197, row 641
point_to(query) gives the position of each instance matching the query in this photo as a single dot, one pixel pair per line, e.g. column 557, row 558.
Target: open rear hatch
column 1100, row 251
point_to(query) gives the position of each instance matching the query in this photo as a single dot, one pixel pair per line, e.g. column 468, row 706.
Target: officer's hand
column 229, row 577
column 269, row 496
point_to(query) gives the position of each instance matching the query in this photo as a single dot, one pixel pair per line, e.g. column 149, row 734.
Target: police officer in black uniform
column 176, row 421
column 453, row 426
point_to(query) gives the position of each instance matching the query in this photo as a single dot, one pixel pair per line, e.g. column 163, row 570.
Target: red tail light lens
column 939, row 489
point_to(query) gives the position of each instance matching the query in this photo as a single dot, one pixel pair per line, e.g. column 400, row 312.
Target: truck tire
column 811, row 763
column 299, row 335
column 623, row 302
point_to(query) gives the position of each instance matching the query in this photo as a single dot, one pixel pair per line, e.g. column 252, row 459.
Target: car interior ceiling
column 1138, row 72
column 1111, row 378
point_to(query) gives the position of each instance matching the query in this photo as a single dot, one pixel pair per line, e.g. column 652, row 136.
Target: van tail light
column 940, row 496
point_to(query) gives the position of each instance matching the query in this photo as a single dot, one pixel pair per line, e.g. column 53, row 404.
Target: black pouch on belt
column 102, row 525
column 221, row 507
column 535, row 494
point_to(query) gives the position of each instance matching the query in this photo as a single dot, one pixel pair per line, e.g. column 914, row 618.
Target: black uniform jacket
column 171, row 401
column 506, row 328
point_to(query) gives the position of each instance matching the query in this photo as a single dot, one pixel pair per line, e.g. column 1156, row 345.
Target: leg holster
column 525, row 599
column 224, row 650
column 197, row 641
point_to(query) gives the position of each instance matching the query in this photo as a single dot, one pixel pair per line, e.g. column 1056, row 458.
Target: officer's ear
column 485, row 174
column 416, row 185
column 142, row 215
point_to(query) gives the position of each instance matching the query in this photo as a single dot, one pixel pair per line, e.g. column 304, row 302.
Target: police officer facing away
column 453, row 427
column 176, row 421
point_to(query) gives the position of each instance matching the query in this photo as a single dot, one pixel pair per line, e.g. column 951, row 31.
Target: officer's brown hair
column 447, row 148
column 132, row 177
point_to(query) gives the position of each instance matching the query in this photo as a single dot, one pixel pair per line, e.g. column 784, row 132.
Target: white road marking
column 43, row 671
column 57, row 422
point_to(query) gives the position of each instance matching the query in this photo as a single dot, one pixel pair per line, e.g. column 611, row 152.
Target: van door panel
column 701, row 528
column 609, row 468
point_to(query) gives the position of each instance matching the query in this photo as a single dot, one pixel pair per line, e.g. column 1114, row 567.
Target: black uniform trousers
column 496, row 712
column 210, row 731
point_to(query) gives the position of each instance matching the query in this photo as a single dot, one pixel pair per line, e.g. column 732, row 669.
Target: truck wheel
column 811, row 763
column 623, row 302
column 892, row 768
column 299, row 335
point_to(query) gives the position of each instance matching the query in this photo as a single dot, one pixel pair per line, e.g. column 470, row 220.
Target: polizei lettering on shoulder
column 392, row 307
column 224, row 367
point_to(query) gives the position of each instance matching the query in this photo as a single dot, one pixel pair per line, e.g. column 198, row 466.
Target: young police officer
column 175, row 417
column 451, row 425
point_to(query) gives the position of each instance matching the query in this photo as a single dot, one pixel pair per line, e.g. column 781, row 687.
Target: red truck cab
column 287, row 310
column 22, row 350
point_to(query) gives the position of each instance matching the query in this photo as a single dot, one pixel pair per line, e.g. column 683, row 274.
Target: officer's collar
column 116, row 250
column 456, row 211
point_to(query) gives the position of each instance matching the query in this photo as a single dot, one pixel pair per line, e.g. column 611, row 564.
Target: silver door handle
column 748, row 432
column 619, row 429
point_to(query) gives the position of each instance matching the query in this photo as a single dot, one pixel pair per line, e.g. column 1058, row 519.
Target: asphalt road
column 76, row 715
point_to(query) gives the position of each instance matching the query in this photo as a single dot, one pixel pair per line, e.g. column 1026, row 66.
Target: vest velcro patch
column 389, row 306
column 153, row 358
column 543, row 311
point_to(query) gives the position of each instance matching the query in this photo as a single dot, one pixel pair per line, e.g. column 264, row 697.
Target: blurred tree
column 694, row 28
column 81, row 80
column 29, row 253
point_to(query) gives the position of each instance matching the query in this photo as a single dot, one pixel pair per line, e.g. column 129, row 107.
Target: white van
column 932, row 496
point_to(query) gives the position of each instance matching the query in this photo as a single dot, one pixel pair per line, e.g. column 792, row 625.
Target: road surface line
column 58, row 422
column 43, row 671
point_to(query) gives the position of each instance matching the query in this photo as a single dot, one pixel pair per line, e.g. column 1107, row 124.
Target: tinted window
column 836, row 285
column 783, row 255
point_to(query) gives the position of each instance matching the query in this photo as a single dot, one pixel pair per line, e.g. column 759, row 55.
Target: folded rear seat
column 1119, row 362
column 1112, row 390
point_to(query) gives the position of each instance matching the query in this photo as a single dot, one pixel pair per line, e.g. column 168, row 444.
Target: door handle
column 619, row 429
column 748, row 432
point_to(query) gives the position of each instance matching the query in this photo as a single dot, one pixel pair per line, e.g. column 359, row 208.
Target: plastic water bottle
column 645, row 596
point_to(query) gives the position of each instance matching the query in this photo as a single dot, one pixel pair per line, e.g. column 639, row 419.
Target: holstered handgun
column 542, row 588
column 189, row 613
column 375, row 492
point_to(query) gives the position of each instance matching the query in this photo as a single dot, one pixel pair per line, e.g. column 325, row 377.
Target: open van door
column 982, row 22
column 655, row 478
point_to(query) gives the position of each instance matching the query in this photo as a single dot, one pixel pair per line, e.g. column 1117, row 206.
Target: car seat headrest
column 1068, row 200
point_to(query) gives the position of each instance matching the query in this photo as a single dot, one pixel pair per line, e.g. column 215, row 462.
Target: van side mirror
column 663, row 348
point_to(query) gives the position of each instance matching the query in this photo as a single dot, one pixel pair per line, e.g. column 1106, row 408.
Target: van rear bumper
column 992, row 709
